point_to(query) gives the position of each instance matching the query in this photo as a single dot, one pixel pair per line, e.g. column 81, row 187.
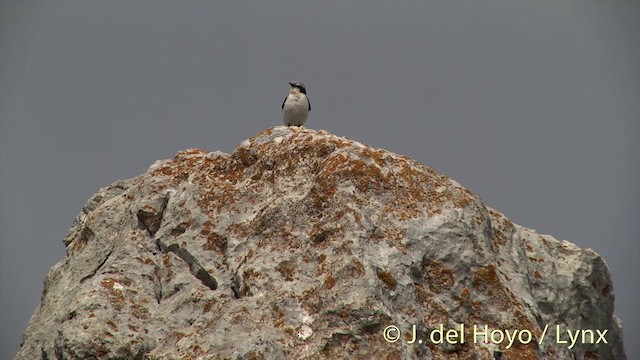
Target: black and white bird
column 296, row 106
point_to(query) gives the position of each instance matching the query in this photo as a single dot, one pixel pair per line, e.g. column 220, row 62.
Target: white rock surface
column 304, row 245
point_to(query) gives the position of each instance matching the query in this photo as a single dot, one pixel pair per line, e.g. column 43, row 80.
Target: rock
column 305, row 245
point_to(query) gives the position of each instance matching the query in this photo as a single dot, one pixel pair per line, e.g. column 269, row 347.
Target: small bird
column 296, row 106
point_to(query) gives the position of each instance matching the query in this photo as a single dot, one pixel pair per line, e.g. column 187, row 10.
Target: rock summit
column 305, row 245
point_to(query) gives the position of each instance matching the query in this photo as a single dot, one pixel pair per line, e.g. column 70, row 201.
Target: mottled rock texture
column 305, row 245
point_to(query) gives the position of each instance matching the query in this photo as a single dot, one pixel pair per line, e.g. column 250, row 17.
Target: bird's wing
column 284, row 101
column 308, row 101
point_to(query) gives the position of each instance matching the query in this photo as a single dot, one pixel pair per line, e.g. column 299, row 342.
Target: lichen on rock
column 304, row 245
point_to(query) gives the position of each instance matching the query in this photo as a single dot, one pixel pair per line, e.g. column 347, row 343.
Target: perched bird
column 296, row 106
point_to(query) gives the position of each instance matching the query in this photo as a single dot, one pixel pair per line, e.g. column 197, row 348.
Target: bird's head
column 297, row 87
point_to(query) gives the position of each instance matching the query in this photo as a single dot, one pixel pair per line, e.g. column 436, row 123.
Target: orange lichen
column 329, row 282
column 215, row 242
column 139, row 312
column 355, row 269
column 208, row 305
column 465, row 296
column 115, row 296
column 286, row 269
column 387, row 279
column 249, row 274
column 343, row 249
column 423, row 296
column 112, row 325
column 146, row 261
column 438, row 277
column 310, row 300
column 176, row 337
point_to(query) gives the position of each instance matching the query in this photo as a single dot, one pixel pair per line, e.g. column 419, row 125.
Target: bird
column 296, row 106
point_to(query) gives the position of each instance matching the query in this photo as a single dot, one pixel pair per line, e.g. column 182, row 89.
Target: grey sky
column 534, row 106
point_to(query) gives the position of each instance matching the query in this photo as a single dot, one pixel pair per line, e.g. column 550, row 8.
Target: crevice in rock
column 86, row 234
column 194, row 267
column 235, row 286
column 172, row 291
column 150, row 215
column 180, row 229
column 157, row 284
column 93, row 273
column 58, row 346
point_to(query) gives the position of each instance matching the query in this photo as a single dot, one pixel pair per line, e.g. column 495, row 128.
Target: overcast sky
column 533, row 106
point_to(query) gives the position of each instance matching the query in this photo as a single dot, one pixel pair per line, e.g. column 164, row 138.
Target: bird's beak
column 291, row 84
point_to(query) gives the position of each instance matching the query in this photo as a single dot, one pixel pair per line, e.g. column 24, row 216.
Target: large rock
column 305, row 245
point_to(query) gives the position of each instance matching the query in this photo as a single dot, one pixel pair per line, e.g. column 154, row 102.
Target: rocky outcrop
column 305, row 245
